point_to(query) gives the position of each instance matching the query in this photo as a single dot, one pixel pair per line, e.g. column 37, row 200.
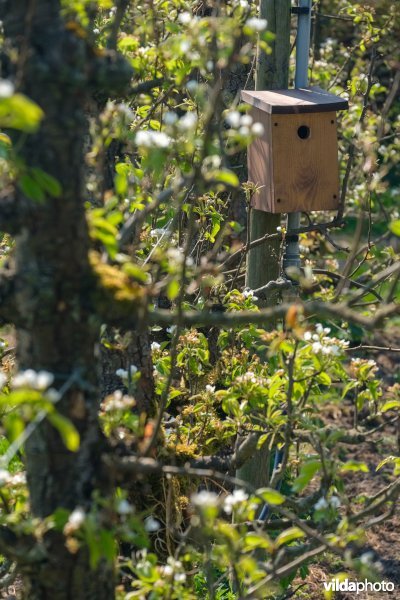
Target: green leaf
column 47, row 182
column 174, row 393
column 14, row 425
column 135, row 272
column 394, row 227
column 22, row 396
column 324, row 379
column 390, row 405
column 289, row 535
column 19, row 112
column 30, row 187
column 355, row 465
column 66, row 429
column 271, row 496
column 108, row 544
column 252, row 541
column 388, row 459
column 307, row 472
column 121, row 184
column 173, row 289
column 225, row 176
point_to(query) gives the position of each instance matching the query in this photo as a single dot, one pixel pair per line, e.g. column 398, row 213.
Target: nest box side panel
column 305, row 162
column 259, row 162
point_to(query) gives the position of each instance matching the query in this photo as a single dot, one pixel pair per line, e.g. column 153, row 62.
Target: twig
column 112, row 41
column 373, row 348
column 235, row 319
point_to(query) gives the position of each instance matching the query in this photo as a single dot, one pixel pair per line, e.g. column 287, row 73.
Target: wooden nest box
column 295, row 161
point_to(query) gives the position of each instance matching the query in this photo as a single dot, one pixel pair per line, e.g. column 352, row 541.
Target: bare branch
column 147, row 86
column 322, row 228
column 279, row 284
column 236, row 319
column 373, row 348
column 112, row 41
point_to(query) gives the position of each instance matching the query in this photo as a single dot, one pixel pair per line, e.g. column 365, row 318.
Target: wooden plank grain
column 305, row 171
column 294, row 101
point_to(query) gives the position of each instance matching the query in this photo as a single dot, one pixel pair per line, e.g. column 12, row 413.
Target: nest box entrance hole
column 304, row 132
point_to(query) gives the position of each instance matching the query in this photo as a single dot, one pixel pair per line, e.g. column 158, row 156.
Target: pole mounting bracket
column 300, row 10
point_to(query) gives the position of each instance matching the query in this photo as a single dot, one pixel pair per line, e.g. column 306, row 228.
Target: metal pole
column 292, row 254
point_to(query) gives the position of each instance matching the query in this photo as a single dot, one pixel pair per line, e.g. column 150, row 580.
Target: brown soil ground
column 384, row 539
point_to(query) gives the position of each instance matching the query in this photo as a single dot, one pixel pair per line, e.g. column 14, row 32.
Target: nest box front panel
column 305, row 171
column 295, row 162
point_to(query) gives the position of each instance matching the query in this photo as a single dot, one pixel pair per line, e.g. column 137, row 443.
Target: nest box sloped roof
column 301, row 100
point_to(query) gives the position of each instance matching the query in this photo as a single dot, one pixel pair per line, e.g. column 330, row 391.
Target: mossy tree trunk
column 57, row 328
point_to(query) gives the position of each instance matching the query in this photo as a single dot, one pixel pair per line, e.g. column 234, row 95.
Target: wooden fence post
column 263, row 261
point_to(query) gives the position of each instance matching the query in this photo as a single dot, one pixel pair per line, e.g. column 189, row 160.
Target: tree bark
column 53, row 283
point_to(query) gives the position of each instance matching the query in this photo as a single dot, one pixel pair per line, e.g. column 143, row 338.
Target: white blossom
column 6, row 88
column 257, row 129
column 210, row 388
column 29, row 378
column 170, row 118
column 247, row 377
column 117, row 401
column 232, row 500
column 3, row 380
column 334, row 501
column 157, row 232
column 44, row 379
column 205, row 499
column 249, row 294
column 152, row 139
column 5, row 477
column 185, row 18
column 322, row 504
column 233, row 119
column 155, row 346
column 151, row 524
column 188, row 121
column 18, row 478
column 126, row 373
column 307, row 336
column 192, row 85
column 180, row 577
column 246, row 120
column 53, row 395
column 317, row 347
column 184, row 46
column 76, row 519
column 126, row 111
column 367, row 558
column 256, row 24
column 124, row 508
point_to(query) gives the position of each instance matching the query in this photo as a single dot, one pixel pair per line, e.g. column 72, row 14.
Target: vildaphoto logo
column 345, row 585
